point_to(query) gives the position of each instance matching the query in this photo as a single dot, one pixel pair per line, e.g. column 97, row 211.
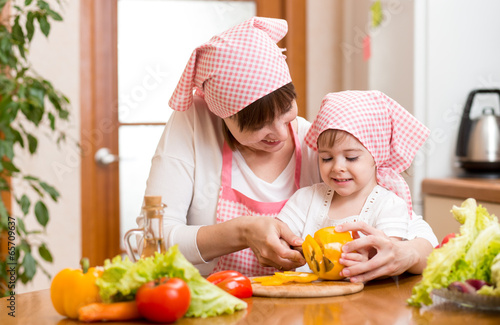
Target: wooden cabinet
column 441, row 194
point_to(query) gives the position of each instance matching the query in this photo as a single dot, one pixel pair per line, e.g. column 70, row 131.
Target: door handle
column 104, row 157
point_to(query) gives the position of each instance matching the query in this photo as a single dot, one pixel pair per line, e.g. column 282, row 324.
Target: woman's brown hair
column 261, row 112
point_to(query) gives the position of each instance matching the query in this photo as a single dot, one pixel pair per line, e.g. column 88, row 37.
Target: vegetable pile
column 471, row 257
column 122, row 278
column 162, row 288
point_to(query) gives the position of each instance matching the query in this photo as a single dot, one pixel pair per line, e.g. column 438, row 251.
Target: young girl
column 364, row 141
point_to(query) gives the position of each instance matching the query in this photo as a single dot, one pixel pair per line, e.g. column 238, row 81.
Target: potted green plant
column 29, row 106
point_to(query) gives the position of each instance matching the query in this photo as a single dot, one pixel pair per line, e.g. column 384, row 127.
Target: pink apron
column 233, row 204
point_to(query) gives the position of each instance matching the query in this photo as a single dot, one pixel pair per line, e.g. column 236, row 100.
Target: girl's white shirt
column 307, row 211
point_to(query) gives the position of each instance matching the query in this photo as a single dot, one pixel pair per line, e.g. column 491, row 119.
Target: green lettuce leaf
column 122, row 278
column 467, row 256
column 493, row 290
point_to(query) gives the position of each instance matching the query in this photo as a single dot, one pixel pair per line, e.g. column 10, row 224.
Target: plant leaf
column 20, row 225
column 41, row 213
column 31, row 178
column 52, row 120
column 54, row 194
column 4, row 215
column 27, row 2
column 7, row 149
column 45, row 253
column 54, row 15
column 9, row 166
column 33, row 113
column 29, row 266
column 32, row 143
column 37, row 190
column 18, row 138
column 44, row 25
column 25, row 203
column 4, row 185
column 24, row 247
column 30, row 26
column 17, row 32
column 43, row 4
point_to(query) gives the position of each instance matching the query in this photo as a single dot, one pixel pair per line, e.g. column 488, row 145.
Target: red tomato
column 232, row 282
column 164, row 300
column 217, row 277
column 447, row 238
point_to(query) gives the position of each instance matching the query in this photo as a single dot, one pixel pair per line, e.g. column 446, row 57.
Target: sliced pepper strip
column 284, row 277
column 268, row 280
column 302, row 277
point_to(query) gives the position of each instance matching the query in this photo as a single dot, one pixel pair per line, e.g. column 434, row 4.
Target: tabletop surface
column 380, row 302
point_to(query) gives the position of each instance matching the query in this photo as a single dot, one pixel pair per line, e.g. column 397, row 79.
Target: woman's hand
column 387, row 257
column 270, row 240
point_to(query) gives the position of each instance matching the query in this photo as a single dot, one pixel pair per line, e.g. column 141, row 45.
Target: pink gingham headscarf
column 391, row 134
column 235, row 68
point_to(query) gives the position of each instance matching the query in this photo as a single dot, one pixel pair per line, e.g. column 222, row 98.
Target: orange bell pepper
column 322, row 252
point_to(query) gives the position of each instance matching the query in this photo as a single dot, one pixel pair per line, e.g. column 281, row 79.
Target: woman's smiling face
column 347, row 166
column 270, row 138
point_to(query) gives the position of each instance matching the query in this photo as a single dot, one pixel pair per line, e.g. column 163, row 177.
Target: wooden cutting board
column 307, row 290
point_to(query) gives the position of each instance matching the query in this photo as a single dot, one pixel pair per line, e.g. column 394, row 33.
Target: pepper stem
column 84, row 262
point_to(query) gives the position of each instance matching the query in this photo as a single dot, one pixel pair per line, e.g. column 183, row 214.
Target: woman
column 233, row 153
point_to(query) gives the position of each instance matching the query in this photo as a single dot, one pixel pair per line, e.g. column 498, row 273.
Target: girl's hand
column 270, row 240
column 377, row 254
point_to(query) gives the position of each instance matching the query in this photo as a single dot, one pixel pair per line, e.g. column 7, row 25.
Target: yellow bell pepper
column 322, row 252
column 74, row 288
column 283, row 277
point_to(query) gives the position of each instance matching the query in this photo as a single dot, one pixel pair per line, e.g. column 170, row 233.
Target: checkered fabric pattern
column 391, row 134
column 243, row 261
column 235, row 68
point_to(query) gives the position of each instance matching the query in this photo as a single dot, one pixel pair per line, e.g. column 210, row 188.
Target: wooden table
column 380, row 302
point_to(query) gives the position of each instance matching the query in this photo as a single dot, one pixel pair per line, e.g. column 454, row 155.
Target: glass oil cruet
column 152, row 232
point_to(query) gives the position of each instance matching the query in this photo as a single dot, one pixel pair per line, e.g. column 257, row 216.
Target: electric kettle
column 478, row 144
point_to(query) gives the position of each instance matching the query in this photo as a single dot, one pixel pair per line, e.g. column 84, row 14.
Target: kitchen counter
column 380, row 302
column 440, row 195
column 487, row 190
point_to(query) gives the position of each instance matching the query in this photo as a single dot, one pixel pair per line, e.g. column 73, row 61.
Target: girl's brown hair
column 328, row 137
column 261, row 112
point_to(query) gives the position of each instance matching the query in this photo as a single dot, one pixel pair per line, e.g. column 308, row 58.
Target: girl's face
column 270, row 138
column 347, row 167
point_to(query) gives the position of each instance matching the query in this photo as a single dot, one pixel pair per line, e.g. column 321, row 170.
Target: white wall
column 462, row 53
column 57, row 59
column 392, row 46
column 428, row 55
column 324, row 68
